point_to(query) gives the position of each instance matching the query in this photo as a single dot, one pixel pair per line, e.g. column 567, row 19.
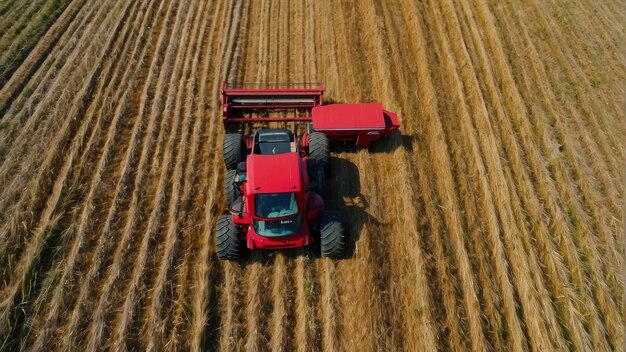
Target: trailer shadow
column 392, row 142
column 388, row 144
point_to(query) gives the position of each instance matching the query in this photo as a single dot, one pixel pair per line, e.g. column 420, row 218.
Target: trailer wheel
column 229, row 187
column 319, row 149
column 228, row 244
column 332, row 240
column 317, row 178
column 234, row 150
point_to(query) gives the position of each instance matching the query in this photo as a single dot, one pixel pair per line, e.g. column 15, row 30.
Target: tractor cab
column 271, row 192
column 272, row 141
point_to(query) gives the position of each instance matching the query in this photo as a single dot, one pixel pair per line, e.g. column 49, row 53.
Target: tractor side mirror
column 242, row 171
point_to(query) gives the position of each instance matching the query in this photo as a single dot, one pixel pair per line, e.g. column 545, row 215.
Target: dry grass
column 495, row 221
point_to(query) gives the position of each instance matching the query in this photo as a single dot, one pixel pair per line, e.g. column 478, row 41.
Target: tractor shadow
column 343, row 195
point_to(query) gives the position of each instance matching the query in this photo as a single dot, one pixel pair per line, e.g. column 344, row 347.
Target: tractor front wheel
column 332, row 240
column 228, row 244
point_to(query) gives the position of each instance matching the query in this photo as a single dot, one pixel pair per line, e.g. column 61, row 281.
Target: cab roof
column 274, row 173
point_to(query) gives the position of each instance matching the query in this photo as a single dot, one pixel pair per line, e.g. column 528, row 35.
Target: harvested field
column 494, row 221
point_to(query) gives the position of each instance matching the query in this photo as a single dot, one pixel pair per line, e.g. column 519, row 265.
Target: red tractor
column 275, row 179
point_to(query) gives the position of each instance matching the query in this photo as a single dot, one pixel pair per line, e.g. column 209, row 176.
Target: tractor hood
column 274, row 173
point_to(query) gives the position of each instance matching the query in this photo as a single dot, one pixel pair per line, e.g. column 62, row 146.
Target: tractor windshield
column 275, row 205
column 276, row 228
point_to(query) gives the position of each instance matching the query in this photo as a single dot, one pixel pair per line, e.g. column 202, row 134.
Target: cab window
column 275, row 205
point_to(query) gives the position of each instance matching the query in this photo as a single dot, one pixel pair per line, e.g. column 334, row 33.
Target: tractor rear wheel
column 332, row 240
column 229, row 187
column 228, row 244
column 317, row 179
column 234, row 150
column 319, row 149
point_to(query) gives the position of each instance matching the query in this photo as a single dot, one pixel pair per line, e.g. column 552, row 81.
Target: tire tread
column 234, row 150
column 332, row 239
column 319, row 149
column 227, row 239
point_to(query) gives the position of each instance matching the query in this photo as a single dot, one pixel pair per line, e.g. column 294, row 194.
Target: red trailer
column 275, row 179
